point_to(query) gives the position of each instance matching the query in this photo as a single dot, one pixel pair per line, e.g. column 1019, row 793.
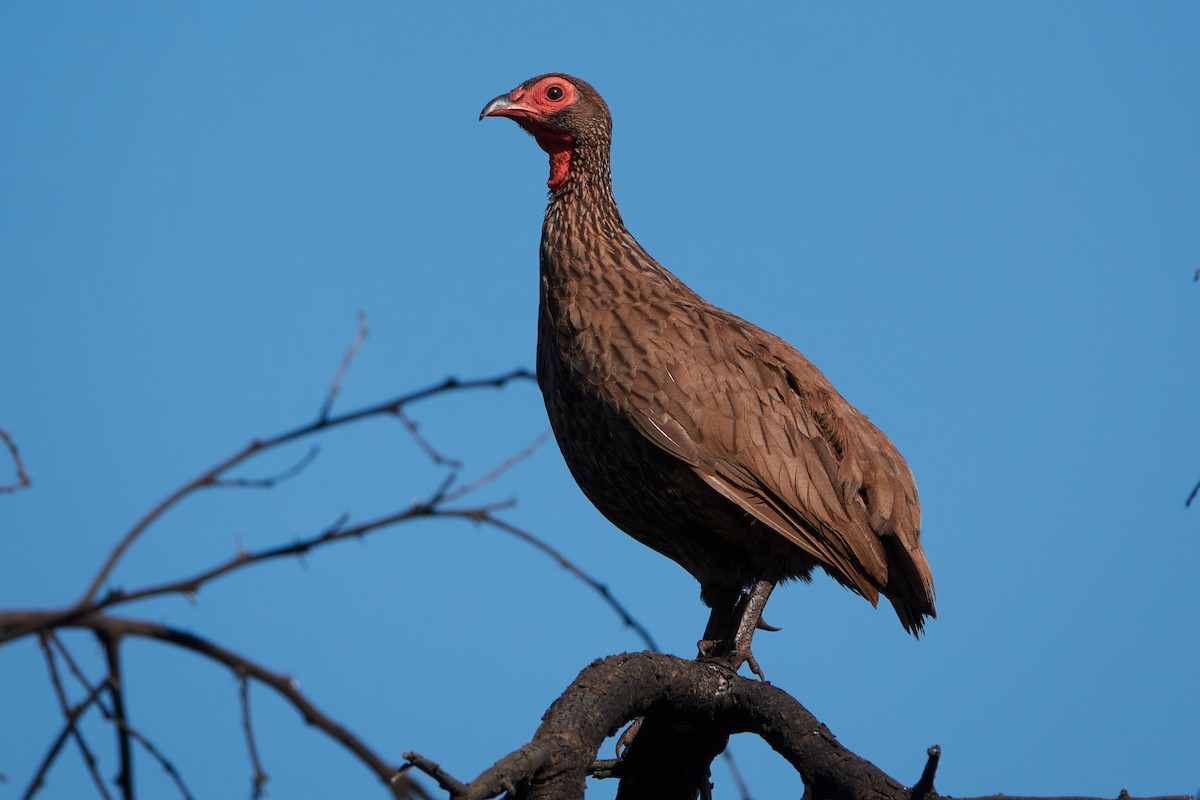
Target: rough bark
column 690, row 708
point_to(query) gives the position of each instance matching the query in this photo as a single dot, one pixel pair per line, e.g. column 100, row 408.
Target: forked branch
column 681, row 699
column 215, row 475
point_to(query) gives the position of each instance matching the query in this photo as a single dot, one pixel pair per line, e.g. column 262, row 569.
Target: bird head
column 562, row 113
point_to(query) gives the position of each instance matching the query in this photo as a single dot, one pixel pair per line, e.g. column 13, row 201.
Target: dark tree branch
column 22, row 481
column 689, row 708
column 192, row 584
column 567, row 564
column 272, row 481
column 156, row 754
column 85, row 751
column 258, row 789
column 212, row 476
column 731, row 763
column 435, row 455
column 111, row 641
column 88, row 613
column 443, row 778
column 137, row 736
column 700, row 699
column 335, row 385
column 72, row 720
column 1195, row 491
column 924, row 786
column 113, row 629
column 500, row 469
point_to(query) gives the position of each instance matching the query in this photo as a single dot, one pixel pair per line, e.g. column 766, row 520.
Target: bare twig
column 260, row 776
column 71, row 663
column 502, row 468
column 56, row 747
column 89, row 758
column 565, row 563
column 445, row 780
column 414, row 430
column 112, row 654
column 924, row 786
column 211, row 476
column 22, row 476
column 273, row 480
column 117, row 627
column 158, row 756
column 336, row 532
column 133, row 732
column 1195, row 491
column 336, row 385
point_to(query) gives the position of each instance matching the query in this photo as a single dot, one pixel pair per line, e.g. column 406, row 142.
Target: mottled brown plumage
column 699, row 434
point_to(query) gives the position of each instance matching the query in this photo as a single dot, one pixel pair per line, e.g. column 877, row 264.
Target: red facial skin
column 529, row 107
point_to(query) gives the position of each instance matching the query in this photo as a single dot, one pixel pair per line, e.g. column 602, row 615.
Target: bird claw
column 752, row 662
column 732, row 660
column 728, row 644
column 626, row 737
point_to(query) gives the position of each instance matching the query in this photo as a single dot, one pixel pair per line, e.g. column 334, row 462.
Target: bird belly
column 653, row 496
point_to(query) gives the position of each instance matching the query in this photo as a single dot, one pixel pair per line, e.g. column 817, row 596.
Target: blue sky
column 980, row 220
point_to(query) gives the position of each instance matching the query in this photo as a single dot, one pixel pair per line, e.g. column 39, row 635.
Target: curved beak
column 498, row 107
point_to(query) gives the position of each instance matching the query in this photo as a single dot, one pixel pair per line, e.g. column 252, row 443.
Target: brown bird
column 697, row 433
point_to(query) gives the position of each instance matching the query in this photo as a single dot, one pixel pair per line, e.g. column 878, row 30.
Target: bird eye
column 554, row 93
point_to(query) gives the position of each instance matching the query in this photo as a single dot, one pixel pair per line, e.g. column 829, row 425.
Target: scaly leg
column 751, row 620
column 731, row 628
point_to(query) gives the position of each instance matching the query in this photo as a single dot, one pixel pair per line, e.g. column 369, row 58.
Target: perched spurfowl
column 697, row 433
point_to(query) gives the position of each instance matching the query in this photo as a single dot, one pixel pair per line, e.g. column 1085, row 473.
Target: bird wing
column 764, row 428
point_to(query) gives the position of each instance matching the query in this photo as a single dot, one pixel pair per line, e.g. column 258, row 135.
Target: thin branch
column 71, row 663
column 89, row 758
column 117, row 627
column 348, row 359
column 334, row 533
column 260, row 776
column 502, row 468
column 158, row 756
column 565, row 563
column 444, row 779
column 22, row 481
column 743, row 789
column 16, row 624
column 273, row 480
column 133, row 732
column 414, row 430
column 211, row 476
column 39, row 777
column 1192, row 496
column 112, row 654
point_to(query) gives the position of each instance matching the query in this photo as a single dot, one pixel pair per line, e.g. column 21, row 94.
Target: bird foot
column 731, row 651
column 626, row 737
column 732, row 660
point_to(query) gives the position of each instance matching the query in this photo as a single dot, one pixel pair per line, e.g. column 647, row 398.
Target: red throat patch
column 559, row 145
column 560, row 168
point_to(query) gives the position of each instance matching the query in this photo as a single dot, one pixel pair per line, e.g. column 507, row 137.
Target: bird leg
column 724, row 642
column 756, row 601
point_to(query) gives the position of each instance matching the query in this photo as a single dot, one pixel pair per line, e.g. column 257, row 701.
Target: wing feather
column 765, row 429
